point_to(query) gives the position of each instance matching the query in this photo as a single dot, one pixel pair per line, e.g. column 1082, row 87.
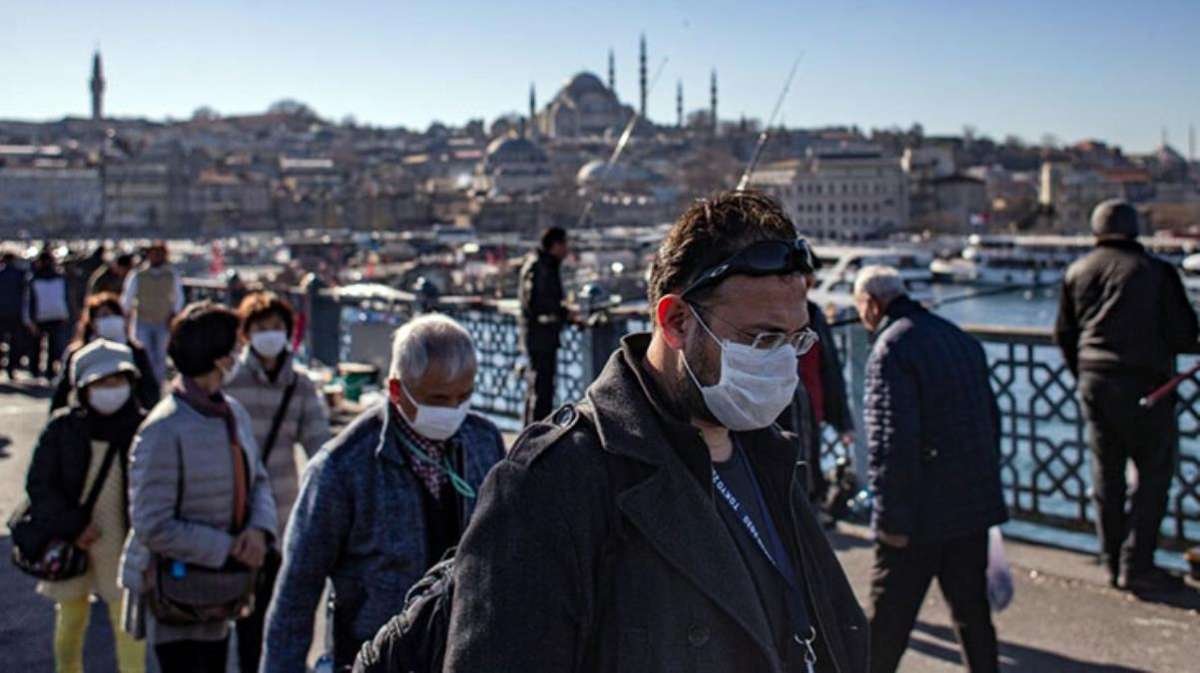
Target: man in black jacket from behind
column 933, row 436
column 542, row 317
column 662, row 523
column 1122, row 318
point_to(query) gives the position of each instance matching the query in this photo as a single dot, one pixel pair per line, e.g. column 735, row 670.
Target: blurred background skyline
column 1120, row 72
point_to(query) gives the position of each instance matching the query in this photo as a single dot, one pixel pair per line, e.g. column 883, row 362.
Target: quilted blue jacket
column 358, row 521
column 933, row 429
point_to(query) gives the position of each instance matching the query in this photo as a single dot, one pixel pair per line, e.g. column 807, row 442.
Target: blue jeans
column 154, row 340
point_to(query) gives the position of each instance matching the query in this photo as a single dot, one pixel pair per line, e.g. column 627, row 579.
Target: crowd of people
column 672, row 519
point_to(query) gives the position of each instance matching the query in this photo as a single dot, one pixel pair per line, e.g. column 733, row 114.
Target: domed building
column 583, row 107
column 512, row 165
column 626, row 195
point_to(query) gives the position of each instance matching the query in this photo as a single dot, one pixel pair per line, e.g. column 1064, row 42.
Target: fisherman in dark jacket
column 12, row 308
column 541, row 320
column 933, row 434
column 662, row 523
column 1123, row 317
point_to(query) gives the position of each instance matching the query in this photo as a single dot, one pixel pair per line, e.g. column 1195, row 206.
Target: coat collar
column 901, row 307
column 287, row 372
column 674, row 507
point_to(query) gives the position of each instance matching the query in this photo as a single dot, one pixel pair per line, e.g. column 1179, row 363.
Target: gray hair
column 429, row 338
column 881, row 283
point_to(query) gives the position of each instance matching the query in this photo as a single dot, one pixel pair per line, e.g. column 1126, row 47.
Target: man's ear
column 672, row 314
column 394, row 392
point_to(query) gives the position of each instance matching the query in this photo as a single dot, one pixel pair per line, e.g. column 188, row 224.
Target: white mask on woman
column 437, row 423
column 269, row 343
column 756, row 385
column 111, row 327
column 108, row 400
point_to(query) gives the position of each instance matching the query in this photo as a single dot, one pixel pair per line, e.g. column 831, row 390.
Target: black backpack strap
column 277, row 421
column 94, row 493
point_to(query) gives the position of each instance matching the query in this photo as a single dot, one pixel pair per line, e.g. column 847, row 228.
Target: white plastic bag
column 1000, row 588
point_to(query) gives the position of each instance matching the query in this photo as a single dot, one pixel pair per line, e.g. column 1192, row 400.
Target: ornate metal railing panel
column 1044, row 464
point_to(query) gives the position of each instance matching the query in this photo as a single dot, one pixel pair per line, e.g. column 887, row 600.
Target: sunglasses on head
column 765, row 258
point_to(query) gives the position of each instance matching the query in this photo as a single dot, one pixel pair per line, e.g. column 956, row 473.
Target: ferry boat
column 834, row 291
column 1034, row 261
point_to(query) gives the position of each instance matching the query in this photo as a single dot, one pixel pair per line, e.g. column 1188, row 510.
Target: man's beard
column 686, row 399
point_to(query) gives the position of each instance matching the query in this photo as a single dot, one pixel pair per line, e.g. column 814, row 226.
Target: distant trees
column 290, row 106
column 205, row 113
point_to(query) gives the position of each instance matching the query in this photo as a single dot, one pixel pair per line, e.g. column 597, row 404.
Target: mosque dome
column 514, row 150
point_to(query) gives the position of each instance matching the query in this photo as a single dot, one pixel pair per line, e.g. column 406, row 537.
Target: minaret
column 532, row 111
column 642, row 75
column 712, row 90
column 612, row 71
column 1191, row 143
column 97, row 86
column 679, row 103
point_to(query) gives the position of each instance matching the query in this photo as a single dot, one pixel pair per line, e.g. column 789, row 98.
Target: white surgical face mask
column 111, row 327
column 756, row 385
column 270, row 343
column 106, row 401
column 437, row 423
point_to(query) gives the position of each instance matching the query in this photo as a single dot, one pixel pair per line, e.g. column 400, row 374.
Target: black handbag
column 43, row 556
column 185, row 593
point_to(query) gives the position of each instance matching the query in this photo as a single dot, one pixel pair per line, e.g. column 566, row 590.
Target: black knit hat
column 1115, row 217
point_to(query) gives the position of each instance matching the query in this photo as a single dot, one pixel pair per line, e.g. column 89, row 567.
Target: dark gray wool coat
column 597, row 546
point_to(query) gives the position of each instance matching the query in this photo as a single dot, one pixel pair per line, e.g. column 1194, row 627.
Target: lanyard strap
column 735, row 504
column 744, row 517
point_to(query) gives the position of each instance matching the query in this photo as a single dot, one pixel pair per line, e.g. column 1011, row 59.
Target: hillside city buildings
column 288, row 169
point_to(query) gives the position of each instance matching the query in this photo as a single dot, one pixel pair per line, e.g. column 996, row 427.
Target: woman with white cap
column 103, row 317
column 83, row 451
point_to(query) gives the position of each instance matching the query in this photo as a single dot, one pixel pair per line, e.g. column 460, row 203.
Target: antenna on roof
column 762, row 137
column 616, row 153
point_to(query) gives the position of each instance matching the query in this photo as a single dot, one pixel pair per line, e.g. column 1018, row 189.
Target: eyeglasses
column 802, row 340
column 765, row 258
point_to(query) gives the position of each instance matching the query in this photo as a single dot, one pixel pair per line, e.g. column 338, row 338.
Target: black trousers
column 899, row 581
column 539, row 385
column 250, row 629
column 13, row 336
column 1119, row 430
column 193, row 656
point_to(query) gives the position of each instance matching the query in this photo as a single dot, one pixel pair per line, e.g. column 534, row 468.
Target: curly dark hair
column 200, row 335
column 710, row 231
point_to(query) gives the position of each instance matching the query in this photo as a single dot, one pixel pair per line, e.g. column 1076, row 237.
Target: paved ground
column 1064, row 618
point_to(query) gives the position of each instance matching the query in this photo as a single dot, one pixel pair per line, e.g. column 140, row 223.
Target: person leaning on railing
column 200, row 496
column 1123, row 316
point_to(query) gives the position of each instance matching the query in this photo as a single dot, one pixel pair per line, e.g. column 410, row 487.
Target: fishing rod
column 766, row 132
column 621, row 143
column 1169, row 387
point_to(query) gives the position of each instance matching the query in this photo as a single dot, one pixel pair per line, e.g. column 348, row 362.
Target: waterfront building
column 844, row 195
column 50, row 196
column 1070, row 194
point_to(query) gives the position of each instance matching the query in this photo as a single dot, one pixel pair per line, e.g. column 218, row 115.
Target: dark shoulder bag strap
column 277, row 421
column 110, row 457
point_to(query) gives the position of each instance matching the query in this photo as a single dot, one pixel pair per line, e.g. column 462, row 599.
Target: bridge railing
column 1044, row 467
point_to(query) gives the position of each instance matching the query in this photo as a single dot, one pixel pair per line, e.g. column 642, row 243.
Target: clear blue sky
column 1115, row 70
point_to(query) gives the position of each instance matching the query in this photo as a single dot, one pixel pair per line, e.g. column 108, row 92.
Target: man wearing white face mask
column 383, row 501
column 288, row 413
column 661, row 524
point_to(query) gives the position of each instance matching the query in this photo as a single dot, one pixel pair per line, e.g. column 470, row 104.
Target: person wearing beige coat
column 266, row 370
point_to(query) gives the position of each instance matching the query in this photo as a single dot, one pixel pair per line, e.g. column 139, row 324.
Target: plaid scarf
column 430, row 475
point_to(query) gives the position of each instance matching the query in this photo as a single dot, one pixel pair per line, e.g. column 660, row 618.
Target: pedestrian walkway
column 1064, row 617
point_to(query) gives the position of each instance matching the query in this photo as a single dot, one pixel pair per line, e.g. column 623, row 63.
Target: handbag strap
column 94, row 493
column 277, row 421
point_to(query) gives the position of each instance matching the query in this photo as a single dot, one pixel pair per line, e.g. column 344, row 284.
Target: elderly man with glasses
column 661, row 523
